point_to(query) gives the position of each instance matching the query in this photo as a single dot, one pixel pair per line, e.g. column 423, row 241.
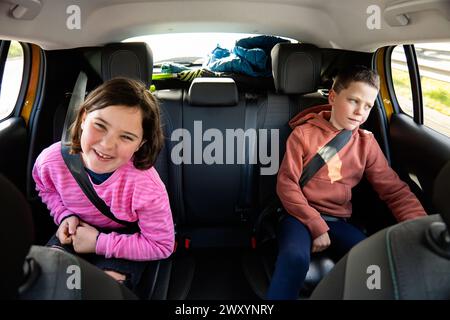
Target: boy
column 318, row 211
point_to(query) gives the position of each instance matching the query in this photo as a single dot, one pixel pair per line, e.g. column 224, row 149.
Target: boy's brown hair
column 133, row 94
column 357, row 73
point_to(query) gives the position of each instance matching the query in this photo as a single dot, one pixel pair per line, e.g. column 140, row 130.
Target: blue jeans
column 294, row 254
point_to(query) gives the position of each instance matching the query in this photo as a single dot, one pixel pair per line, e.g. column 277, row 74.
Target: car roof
column 360, row 25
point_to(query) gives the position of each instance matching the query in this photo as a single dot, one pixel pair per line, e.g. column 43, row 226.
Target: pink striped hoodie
column 131, row 194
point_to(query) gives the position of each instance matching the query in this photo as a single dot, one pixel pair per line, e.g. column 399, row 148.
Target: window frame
column 414, row 78
column 26, row 49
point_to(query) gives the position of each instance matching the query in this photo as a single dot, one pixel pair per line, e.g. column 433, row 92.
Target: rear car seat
column 207, row 199
column 213, row 204
column 133, row 60
column 206, row 196
column 296, row 70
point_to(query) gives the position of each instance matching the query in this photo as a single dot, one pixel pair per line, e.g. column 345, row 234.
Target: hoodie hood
column 318, row 116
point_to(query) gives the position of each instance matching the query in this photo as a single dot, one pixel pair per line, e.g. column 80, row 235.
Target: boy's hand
column 85, row 239
column 321, row 242
column 67, row 229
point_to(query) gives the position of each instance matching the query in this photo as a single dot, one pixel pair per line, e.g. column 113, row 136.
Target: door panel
column 418, row 151
column 13, row 150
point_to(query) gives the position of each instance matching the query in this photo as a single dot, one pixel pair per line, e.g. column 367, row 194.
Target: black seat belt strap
column 318, row 161
column 77, row 98
column 73, row 161
column 76, row 168
column 324, row 155
column 249, row 150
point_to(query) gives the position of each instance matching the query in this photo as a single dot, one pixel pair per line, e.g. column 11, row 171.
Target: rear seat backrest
column 296, row 73
column 132, row 60
column 212, row 190
column 205, row 197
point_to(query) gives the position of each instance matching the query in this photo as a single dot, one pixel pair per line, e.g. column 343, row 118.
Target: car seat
column 410, row 260
column 36, row 272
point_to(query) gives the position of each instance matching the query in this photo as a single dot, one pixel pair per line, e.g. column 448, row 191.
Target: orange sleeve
column 288, row 188
column 391, row 189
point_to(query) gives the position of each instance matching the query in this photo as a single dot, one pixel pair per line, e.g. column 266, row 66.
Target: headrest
column 16, row 235
column 213, row 92
column 296, row 67
column 132, row 59
column 440, row 193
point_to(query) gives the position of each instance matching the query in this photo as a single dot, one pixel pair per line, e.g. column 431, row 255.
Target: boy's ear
column 331, row 96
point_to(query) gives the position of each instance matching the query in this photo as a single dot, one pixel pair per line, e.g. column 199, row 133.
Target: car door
column 416, row 99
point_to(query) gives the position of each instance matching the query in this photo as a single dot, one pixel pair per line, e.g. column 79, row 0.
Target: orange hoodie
column 329, row 190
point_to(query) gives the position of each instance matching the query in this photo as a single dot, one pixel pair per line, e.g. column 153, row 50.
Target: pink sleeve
column 48, row 194
column 155, row 240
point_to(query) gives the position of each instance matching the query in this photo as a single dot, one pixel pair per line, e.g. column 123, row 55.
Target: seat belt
column 76, row 168
column 249, row 150
column 73, row 161
column 324, row 155
column 78, row 93
column 318, row 161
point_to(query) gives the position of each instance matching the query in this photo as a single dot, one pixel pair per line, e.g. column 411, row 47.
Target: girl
column 117, row 132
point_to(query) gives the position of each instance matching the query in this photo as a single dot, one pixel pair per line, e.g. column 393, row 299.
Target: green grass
column 435, row 92
column 15, row 50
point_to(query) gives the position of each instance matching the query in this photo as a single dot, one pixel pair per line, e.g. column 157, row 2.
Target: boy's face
column 110, row 137
column 351, row 106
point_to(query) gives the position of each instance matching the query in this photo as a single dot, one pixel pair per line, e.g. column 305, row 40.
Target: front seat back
column 16, row 237
column 410, row 260
column 45, row 273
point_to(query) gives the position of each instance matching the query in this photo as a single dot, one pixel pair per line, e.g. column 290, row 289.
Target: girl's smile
column 110, row 136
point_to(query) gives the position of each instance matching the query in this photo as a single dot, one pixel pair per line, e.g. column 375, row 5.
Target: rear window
column 189, row 48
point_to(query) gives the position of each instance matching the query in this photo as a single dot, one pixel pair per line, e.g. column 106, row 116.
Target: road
column 433, row 118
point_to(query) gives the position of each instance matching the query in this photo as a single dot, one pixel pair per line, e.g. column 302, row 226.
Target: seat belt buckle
column 187, row 243
column 253, row 242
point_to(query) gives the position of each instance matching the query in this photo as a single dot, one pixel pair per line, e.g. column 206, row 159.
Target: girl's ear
column 83, row 118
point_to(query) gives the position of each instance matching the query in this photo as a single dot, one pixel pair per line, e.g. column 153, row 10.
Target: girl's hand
column 321, row 242
column 67, row 229
column 85, row 239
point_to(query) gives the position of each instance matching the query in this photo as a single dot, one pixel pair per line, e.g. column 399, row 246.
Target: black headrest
column 296, row 67
column 16, row 237
column 132, row 59
column 213, row 92
column 440, row 193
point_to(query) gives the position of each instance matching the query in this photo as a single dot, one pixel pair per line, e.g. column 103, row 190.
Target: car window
column 12, row 79
column 400, row 79
column 433, row 61
column 190, row 48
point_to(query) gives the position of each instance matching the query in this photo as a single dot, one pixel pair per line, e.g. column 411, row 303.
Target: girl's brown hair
column 133, row 94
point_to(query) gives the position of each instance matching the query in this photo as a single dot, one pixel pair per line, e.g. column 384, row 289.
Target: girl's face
column 110, row 136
